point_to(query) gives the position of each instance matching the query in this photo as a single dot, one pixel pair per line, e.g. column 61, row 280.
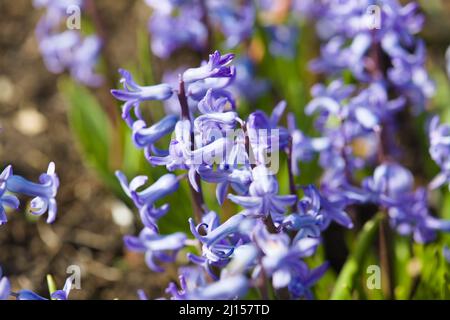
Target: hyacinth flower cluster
column 200, row 25
column 43, row 193
column 197, row 21
column 64, row 47
column 188, row 23
column 376, row 42
column 373, row 66
column 271, row 235
column 359, row 119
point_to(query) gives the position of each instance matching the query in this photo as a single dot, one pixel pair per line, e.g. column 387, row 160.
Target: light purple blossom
column 351, row 38
column 216, row 67
column 157, row 247
column 133, row 94
column 217, row 241
column 263, row 198
column 6, row 200
column 64, row 293
column 234, row 18
column 238, row 178
column 440, row 150
column 145, row 137
column 392, row 187
column 5, row 287
column 304, row 279
column 303, row 147
column 170, row 33
column 323, row 210
column 194, row 287
column 282, row 259
column 246, row 83
column 44, row 192
column 69, row 49
column 226, row 288
column 145, row 199
column 28, row 295
column 283, row 40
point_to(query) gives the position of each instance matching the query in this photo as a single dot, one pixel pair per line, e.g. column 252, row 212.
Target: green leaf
column 402, row 261
column 346, row 280
column 180, row 210
column 133, row 162
column 91, row 127
column 144, row 56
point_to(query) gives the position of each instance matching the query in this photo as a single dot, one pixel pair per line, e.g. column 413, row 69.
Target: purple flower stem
column 385, row 234
column 264, row 285
column 198, row 200
column 348, row 173
column 386, row 261
column 247, row 146
column 414, row 286
column 268, row 221
column 381, row 152
column 207, row 23
column 283, row 294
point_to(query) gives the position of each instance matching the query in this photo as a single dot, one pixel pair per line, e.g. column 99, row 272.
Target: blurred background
column 35, row 130
column 38, row 125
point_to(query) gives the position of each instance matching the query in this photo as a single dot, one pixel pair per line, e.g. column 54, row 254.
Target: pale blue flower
column 44, row 191
column 157, row 247
column 216, row 67
column 133, row 94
